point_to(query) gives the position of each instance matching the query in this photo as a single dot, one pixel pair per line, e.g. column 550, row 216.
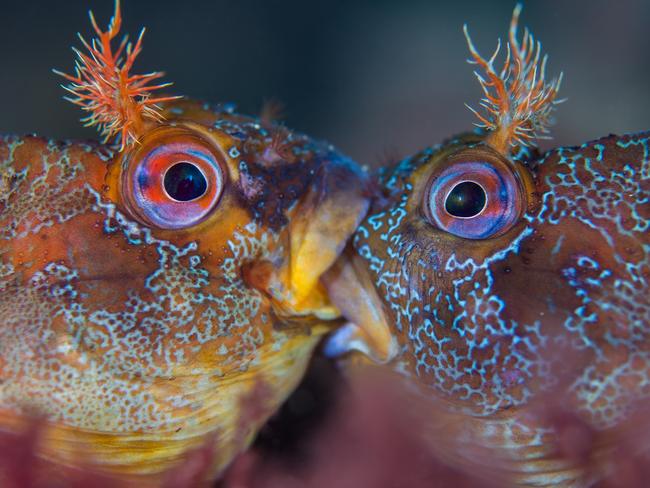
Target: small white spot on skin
column 64, row 348
column 558, row 245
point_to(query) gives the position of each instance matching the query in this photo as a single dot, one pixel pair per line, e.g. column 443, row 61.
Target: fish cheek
column 552, row 292
column 530, row 280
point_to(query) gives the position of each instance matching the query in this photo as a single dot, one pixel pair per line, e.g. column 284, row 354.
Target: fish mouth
column 316, row 235
column 368, row 330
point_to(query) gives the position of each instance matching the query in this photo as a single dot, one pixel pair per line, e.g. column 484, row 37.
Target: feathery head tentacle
column 117, row 101
column 518, row 100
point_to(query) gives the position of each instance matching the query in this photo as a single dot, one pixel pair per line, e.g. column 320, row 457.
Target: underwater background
column 380, row 79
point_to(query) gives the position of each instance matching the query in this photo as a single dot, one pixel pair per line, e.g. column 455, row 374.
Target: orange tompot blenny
column 162, row 292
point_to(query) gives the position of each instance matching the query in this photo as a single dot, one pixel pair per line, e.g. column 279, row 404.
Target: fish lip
column 368, row 329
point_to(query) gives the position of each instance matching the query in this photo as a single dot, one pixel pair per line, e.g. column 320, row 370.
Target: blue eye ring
column 492, row 198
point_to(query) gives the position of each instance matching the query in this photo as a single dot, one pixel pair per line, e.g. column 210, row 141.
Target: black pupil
column 467, row 199
column 184, row 182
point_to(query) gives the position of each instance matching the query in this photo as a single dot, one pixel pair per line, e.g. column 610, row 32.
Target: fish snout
column 320, row 225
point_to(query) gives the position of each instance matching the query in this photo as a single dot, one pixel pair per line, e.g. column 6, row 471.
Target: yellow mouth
column 319, row 228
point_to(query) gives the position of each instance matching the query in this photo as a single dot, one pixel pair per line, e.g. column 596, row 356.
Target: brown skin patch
column 555, row 308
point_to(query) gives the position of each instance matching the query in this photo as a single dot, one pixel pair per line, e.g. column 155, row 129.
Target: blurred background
column 380, row 79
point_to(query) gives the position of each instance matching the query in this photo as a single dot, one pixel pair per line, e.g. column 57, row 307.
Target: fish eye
column 466, row 200
column 185, row 182
column 174, row 179
column 474, row 197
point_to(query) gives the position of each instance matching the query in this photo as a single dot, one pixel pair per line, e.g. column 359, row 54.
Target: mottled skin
column 555, row 310
column 137, row 342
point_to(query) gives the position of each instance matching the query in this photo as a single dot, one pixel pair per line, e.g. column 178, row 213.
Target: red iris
column 174, row 181
column 474, row 197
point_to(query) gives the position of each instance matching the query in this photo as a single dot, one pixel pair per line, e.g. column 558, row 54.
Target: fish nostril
column 258, row 275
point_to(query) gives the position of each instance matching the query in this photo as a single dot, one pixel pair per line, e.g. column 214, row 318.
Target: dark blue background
column 378, row 78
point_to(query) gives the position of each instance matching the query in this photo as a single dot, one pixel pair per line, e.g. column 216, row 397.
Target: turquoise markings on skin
column 44, row 205
column 110, row 359
column 466, row 338
column 417, row 310
column 612, row 199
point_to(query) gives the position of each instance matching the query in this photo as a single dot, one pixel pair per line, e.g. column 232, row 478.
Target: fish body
column 161, row 293
column 506, row 284
column 555, row 308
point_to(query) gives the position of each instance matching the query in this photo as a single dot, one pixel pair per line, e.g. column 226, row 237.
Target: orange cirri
column 153, row 286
